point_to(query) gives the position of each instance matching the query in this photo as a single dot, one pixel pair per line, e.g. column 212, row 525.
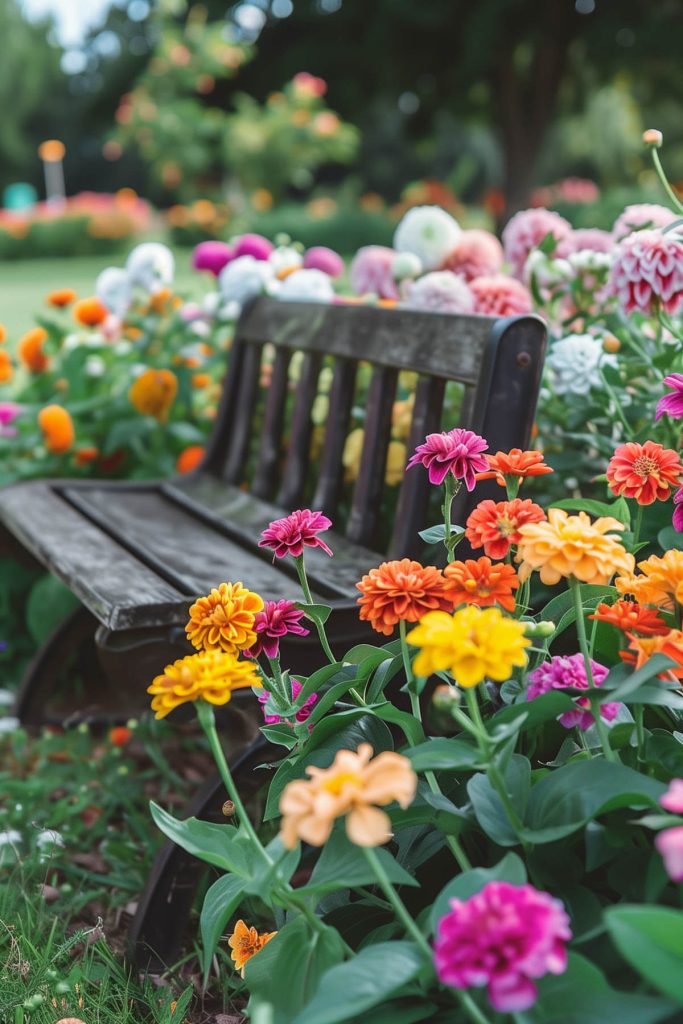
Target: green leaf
column 364, row 652
column 126, row 432
column 221, row 845
column 364, row 982
column 48, row 604
column 411, row 727
column 670, row 538
column 434, row 534
column 320, row 678
column 617, row 510
column 443, row 753
column 488, row 807
column 510, row 869
column 285, row 863
column 343, row 865
column 433, row 809
column 619, row 687
column 546, row 708
column 315, row 612
column 382, row 677
column 559, row 606
column 651, row 940
column 220, row 903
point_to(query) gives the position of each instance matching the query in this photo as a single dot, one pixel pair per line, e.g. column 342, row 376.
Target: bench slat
column 242, row 414
column 367, row 494
column 267, row 470
column 331, row 472
column 298, row 455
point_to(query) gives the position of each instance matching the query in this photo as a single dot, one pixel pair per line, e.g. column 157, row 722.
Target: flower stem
column 640, row 730
column 397, row 903
column 303, row 580
column 638, row 526
column 583, row 645
column 663, row 178
column 451, row 488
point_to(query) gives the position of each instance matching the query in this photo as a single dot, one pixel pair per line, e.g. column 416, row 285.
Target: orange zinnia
column 189, row 458
column 402, row 591
column 495, row 525
column 88, row 453
column 90, row 312
column 630, row 617
column 153, row 393
column 482, row 583
column 30, row 350
column 572, row 546
column 224, row 619
column 515, row 464
column 57, row 427
column 246, row 942
column 3, row 333
column 660, row 582
column 645, row 472
column 6, row 368
column 641, row 649
column 61, row 297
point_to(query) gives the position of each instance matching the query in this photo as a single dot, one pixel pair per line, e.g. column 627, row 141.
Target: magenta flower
column 568, row 671
column 502, row 937
column 677, row 519
column 526, row 230
column 253, row 245
column 671, row 404
column 456, row 451
column 673, row 798
column 647, row 272
column 372, row 272
column 298, row 530
column 499, row 295
column 8, row 413
column 212, row 256
column 301, row 715
column 319, row 257
column 278, row 619
column 670, row 845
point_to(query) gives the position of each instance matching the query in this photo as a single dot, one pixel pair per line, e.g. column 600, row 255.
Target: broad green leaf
column 364, row 652
column 547, row 707
column 620, row 687
column 398, row 1013
column 285, row 863
column 382, row 677
column 343, row 865
column 617, row 510
column 220, row 903
column 561, row 606
column 650, row 938
column 315, row 612
column 221, row 845
column 434, row 534
column 509, row 869
column 433, row 809
column 48, row 604
column 669, row 538
column 318, row 679
column 410, row 726
column 443, row 753
column 488, row 807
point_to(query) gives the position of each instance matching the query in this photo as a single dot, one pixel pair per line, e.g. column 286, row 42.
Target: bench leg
column 160, row 925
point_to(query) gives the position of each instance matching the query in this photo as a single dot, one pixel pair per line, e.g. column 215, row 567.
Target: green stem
column 583, row 646
column 640, row 730
column 662, row 177
column 303, row 580
column 397, row 903
column 617, row 406
column 451, row 488
column 638, row 526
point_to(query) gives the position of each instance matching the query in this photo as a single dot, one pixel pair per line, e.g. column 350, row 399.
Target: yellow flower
column 209, row 675
column 351, row 786
column 224, row 619
column 473, row 644
column 661, row 580
column 353, row 451
column 246, row 942
column 565, row 545
column 397, row 456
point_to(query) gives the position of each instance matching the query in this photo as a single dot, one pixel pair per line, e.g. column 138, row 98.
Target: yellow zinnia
column 209, row 675
column 473, row 644
column 659, row 582
column 564, row 546
column 224, row 619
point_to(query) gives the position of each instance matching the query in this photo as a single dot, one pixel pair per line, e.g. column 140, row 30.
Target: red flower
column 645, row 472
column 495, row 525
column 516, row 464
column 630, row 617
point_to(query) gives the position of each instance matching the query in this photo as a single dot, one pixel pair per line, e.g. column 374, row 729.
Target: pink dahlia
column 672, row 800
column 212, row 256
column 499, row 295
column 647, row 272
column 301, row 715
column 670, row 845
column 440, row 292
column 371, row 272
column 639, row 217
column 476, row 254
column 319, row 257
column 455, row 451
column 256, row 246
column 503, row 937
column 593, row 239
column 526, row 230
column 671, row 404
column 293, row 533
column 569, row 672
column 278, row 619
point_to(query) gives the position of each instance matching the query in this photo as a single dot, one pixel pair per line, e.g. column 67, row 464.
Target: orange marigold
column 90, row 312
column 565, row 546
column 516, row 464
column 631, row 617
column 189, row 458
column 153, row 393
column 482, row 583
column 201, row 380
column 224, row 619
column 6, row 368
column 57, row 427
column 246, row 942
column 660, row 580
column 645, row 472
column 30, row 350
column 402, row 591
column 495, row 525
column 61, row 297
column 641, row 649
column 85, row 455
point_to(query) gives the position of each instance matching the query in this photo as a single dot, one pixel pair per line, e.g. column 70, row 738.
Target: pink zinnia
column 301, row 715
column 455, row 451
column 670, row 845
column 568, row 671
column 593, row 239
column 8, row 413
column 671, row 404
column 278, row 619
column 526, row 230
column 502, row 937
column 640, row 216
column 677, row 519
column 298, row 530
column 647, row 272
column 499, row 295
column 253, row 245
column 440, row 291
column 477, row 253
column 672, row 800
column 319, row 257
column 212, row 256
column 371, row 272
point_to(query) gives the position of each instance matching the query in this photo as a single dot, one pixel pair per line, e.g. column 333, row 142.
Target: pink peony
column 440, row 292
column 371, row 272
column 639, row 217
column 293, row 533
column 319, row 257
column 278, row 619
column 593, row 239
column 526, row 230
column 673, row 798
column 253, row 245
column 671, row 404
column 212, row 256
column 670, row 845
column 456, row 451
column 476, row 254
column 569, row 671
column 301, row 715
column 502, row 937
column 647, row 272
column 499, row 295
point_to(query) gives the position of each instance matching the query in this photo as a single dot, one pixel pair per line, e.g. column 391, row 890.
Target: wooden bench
column 136, row 554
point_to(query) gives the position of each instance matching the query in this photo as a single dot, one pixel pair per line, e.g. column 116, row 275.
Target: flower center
column 336, row 784
column 505, row 526
column 644, row 465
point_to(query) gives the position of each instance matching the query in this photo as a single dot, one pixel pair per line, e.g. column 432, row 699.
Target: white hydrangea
column 546, row 272
column 9, row 724
column 429, row 233
column 244, row 278
column 574, row 364
column 285, row 259
column 151, row 266
column 113, row 289
column 307, row 286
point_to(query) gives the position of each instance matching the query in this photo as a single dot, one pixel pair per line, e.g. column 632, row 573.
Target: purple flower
column 212, row 256
column 278, row 619
column 302, row 714
column 568, row 671
column 253, row 245
column 300, row 529
column 455, row 451
column 673, row 403
column 319, row 257
column 502, row 937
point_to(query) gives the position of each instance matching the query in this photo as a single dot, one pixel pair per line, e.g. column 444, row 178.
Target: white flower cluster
column 149, row 269
column 574, row 364
column 282, row 274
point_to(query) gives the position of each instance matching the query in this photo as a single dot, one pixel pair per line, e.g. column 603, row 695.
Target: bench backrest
column 498, row 362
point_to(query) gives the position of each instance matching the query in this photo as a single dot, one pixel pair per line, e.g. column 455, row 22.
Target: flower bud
column 539, row 630
column 653, row 137
column 445, row 697
column 228, row 809
column 405, row 264
column 610, row 343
